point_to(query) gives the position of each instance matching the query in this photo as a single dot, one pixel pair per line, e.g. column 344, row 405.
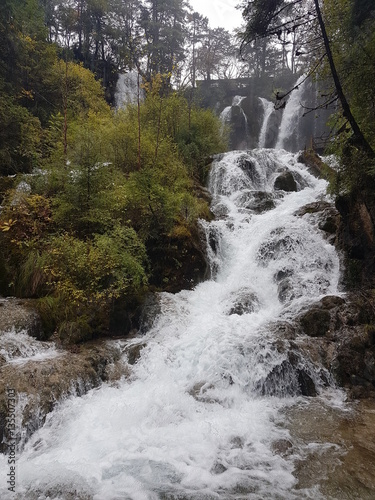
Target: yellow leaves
column 6, row 225
column 28, row 94
column 29, row 42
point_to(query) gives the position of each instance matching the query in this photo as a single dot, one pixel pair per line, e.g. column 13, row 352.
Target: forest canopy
column 89, row 191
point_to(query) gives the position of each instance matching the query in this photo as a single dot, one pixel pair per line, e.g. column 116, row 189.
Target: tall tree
column 163, row 22
column 215, row 53
column 271, row 18
column 197, row 29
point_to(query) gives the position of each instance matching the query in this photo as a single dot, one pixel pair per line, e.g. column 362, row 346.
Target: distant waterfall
column 291, row 116
column 127, row 89
column 226, row 114
column 268, row 107
column 231, row 114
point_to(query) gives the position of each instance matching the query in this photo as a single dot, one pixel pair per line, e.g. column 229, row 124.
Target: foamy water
column 196, row 419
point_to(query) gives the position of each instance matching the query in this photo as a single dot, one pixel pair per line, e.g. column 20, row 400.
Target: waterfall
column 291, row 116
column 230, row 114
column 226, row 114
column 204, row 407
column 268, row 107
column 127, row 89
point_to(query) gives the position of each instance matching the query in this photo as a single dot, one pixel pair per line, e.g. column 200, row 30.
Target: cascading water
column 127, row 89
column 290, row 121
column 236, row 117
column 268, row 107
column 226, row 114
column 202, row 412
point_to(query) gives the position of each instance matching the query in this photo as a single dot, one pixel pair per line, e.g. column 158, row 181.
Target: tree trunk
column 362, row 142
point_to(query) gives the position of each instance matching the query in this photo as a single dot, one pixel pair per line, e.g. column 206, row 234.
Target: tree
column 197, row 29
column 214, row 56
column 163, row 24
column 272, row 18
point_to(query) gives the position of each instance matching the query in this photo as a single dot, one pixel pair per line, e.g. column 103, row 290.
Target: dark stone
column 306, row 384
column 218, row 469
column 283, row 273
column 261, row 202
column 282, row 447
column 313, row 208
column 315, row 322
column 133, row 353
column 150, row 310
column 315, row 165
column 285, row 290
column 285, row 329
column 285, row 182
column 177, row 262
column 331, row 301
column 329, row 225
column 288, row 379
column 246, row 302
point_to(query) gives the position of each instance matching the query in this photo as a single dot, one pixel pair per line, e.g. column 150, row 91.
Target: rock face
column 356, row 237
column 178, row 262
column 20, row 315
column 339, row 337
column 338, row 333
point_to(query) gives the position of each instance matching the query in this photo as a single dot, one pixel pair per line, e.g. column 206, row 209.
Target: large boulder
column 316, row 322
column 285, row 182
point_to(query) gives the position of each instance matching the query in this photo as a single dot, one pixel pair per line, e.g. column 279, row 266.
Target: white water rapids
column 201, row 413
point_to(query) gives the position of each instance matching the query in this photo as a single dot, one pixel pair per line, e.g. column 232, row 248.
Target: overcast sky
column 221, row 13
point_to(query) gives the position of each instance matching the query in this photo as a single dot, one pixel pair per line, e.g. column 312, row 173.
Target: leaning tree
column 280, row 19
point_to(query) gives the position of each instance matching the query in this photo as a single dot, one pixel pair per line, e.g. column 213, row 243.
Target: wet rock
column 282, row 447
column 313, row 208
column 285, row 330
column 280, row 243
column 315, row 322
column 245, row 302
column 39, row 385
column 285, row 290
column 249, row 167
column 150, row 310
column 260, row 201
column 285, row 287
column 326, row 216
column 285, row 182
column 220, row 210
column 20, row 315
column 289, row 378
column 331, row 301
column 306, row 384
column 133, row 352
column 218, row 469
